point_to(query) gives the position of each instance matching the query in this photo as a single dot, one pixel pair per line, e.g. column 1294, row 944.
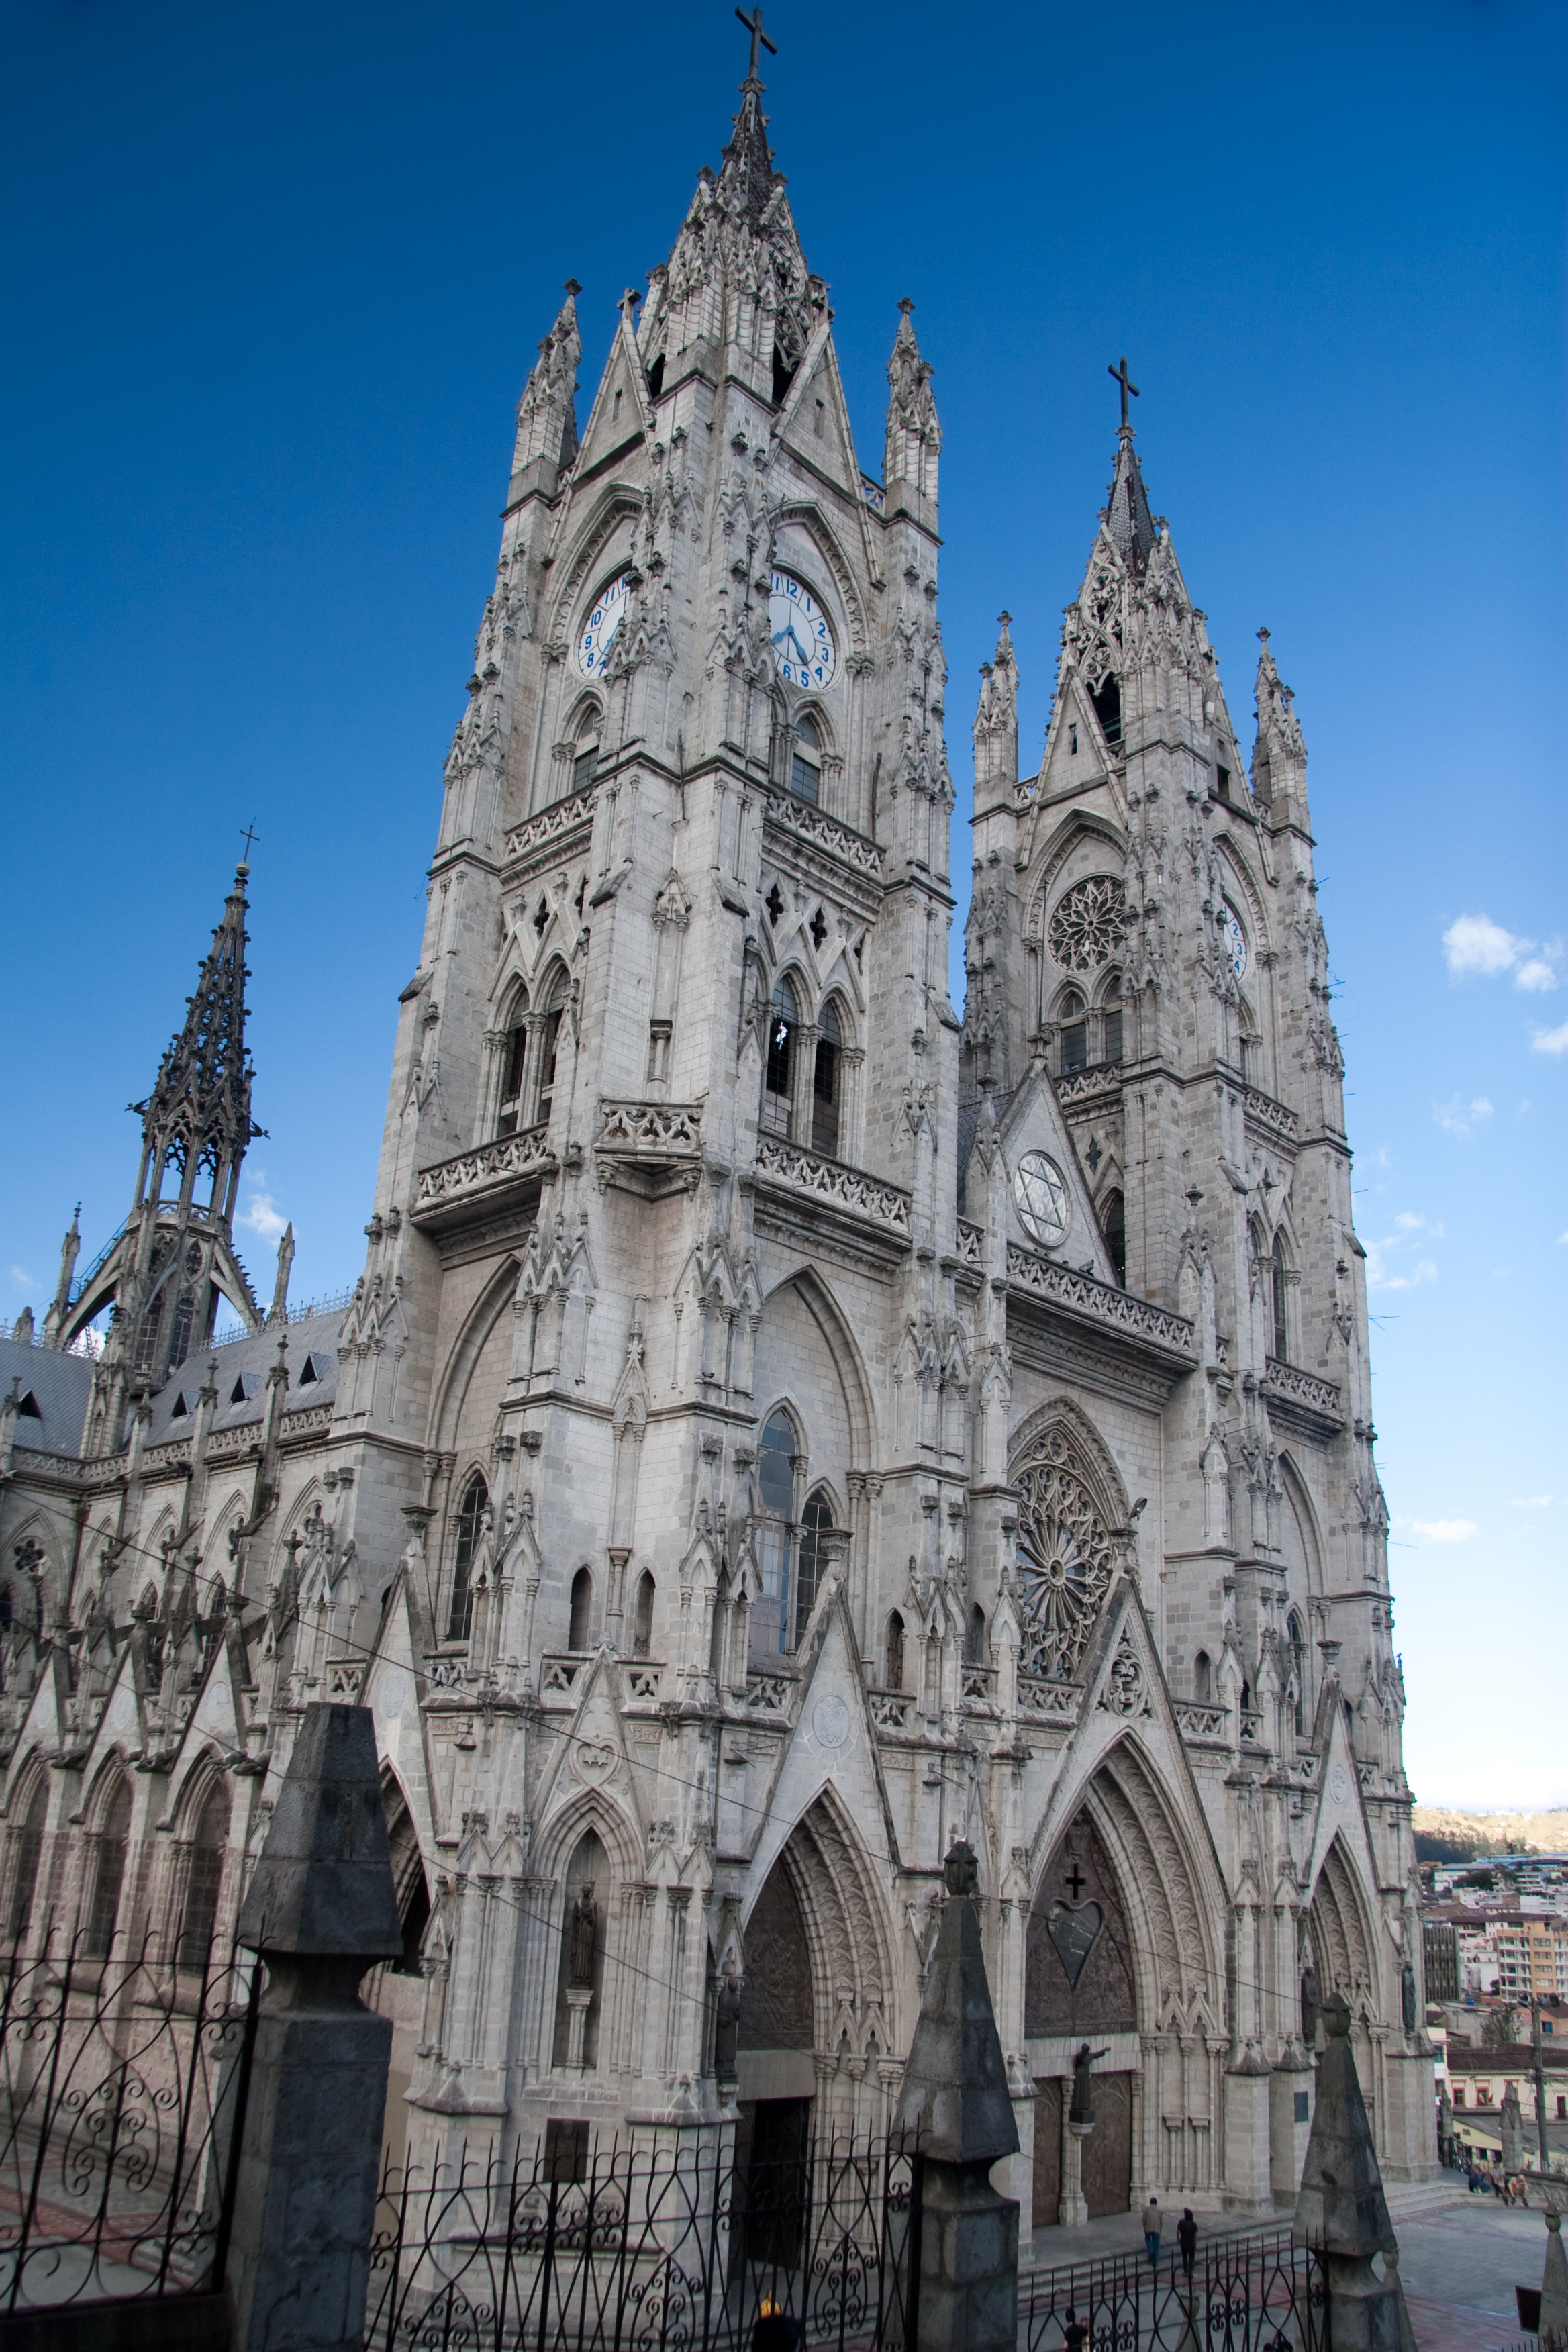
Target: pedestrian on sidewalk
column 1152, row 2219
column 1187, row 2239
column 1074, row 2334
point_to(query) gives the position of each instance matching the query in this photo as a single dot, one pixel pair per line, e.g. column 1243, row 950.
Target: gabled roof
column 244, row 1363
column 60, row 1386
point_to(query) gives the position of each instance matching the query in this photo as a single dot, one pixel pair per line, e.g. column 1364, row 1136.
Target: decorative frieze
column 1277, row 1119
column 650, row 1140
column 971, row 1243
column 1045, row 1696
column 1207, row 1724
column 1288, row 1385
column 813, row 824
column 1101, row 1078
column 548, row 828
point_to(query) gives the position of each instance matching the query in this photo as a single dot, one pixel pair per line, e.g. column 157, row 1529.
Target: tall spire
column 546, row 421
column 914, row 431
column 1126, row 515
column 1279, row 753
column 197, row 1118
column 997, row 726
column 748, row 158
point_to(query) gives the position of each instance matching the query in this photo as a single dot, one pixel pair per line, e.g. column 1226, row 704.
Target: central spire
column 748, row 158
column 1126, row 515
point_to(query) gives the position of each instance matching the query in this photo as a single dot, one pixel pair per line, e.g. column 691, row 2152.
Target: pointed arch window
column 824, row 1083
column 147, row 1337
column 778, row 1078
column 1298, row 1661
column 549, row 1048
column 1074, row 1018
column 815, row 1521
column 180, row 1331
column 585, row 750
column 1107, row 700
column 1113, row 1225
column 580, row 1622
column 206, row 1878
column 514, row 1063
column 775, row 1489
column 974, row 1637
column 894, row 1673
column 112, row 1843
column 1276, row 1290
column 26, row 1851
column 1112, row 1017
column 806, row 761
column 1202, row 1679
column 470, row 1525
column 642, row 1617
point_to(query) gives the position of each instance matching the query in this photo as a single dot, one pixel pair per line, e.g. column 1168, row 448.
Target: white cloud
column 1460, row 1118
column 1444, row 1530
column 1530, row 1502
column 22, row 1279
column 1563, row 1241
column 1475, row 944
column 1552, row 1040
column 1384, row 1271
column 260, row 1214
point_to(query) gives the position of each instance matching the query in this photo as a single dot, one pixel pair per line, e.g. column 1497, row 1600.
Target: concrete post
column 320, row 1908
column 1549, row 2194
column 956, row 2098
column 1341, row 2209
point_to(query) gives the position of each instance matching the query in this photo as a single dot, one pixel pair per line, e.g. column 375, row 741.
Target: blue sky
column 272, row 284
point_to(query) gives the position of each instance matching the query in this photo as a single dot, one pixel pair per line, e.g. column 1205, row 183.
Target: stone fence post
column 320, row 1909
column 957, row 2098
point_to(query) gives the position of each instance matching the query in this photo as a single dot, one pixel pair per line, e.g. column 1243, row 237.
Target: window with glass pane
column 806, row 764
column 1277, row 1273
column 109, row 1876
column 1114, row 1228
column 775, row 1483
column 585, row 758
column 816, row 1518
column 470, row 1520
column 549, row 1044
column 1075, row 1035
column 778, row 1079
column 206, row 1879
column 1113, row 1022
column 511, row 1078
column 825, row 1085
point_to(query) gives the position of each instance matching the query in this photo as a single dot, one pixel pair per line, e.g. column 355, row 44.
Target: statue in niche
column 1309, row 2006
column 1082, row 2108
column 727, row 2022
column 583, row 1937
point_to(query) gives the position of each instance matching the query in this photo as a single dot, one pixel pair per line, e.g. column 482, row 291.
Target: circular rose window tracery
column 1066, row 1560
column 1089, row 924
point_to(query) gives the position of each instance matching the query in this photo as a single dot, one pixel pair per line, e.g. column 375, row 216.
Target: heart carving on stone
column 1075, row 1931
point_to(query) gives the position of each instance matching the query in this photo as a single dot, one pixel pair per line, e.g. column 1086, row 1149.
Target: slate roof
column 60, row 1386
column 243, row 1365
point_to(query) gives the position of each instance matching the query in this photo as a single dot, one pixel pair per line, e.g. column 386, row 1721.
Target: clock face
column 1040, row 1196
column 1235, row 939
column 599, row 626
column 802, row 640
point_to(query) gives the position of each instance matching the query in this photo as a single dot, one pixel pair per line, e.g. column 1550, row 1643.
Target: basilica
column 785, row 1421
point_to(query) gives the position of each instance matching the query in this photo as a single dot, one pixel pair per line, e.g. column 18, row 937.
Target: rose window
column 1066, row 1560
column 1089, row 924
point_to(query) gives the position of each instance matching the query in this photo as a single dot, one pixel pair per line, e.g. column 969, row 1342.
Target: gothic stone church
column 782, row 1424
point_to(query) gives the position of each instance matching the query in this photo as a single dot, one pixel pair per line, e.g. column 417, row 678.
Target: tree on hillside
column 1501, row 2026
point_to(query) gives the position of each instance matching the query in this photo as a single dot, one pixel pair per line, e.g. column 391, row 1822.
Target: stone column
column 320, row 1910
column 1340, row 2209
column 956, row 2108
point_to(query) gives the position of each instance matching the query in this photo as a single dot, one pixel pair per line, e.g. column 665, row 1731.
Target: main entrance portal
column 1107, row 2153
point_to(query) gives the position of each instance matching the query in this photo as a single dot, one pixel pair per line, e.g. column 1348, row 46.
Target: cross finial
column 249, row 836
column 754, row 25
column 1127, row 384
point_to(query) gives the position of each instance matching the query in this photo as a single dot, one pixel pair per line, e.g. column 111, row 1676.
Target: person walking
column 1074, row 2334
column 1187, row 2240
column 1152, row 2222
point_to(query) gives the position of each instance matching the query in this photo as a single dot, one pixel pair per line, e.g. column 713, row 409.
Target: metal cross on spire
column 754, row 25
column 1127, row 385
column 249, row 836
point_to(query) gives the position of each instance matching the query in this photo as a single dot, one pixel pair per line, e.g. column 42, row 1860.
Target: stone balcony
column 478, row 1186
column 651, row 1148
column 1074, row 1316
column 1316, row 1405
column 858, row 1211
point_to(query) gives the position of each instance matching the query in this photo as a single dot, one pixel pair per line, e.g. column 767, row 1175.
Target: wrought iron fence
column 663, row 2249
column 122, row 2086
column 1257, row 2292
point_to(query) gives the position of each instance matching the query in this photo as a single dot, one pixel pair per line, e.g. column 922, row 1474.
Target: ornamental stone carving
column 1089, row 924
column 1066, row 1558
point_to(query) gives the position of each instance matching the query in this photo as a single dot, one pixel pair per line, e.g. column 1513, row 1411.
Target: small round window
column 1040, row 1196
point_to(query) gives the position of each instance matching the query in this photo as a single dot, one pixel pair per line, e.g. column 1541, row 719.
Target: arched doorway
column 1079, row 1985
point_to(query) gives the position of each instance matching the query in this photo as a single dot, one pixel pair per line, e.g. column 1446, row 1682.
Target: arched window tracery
column 204, row 1880
column 470, row 1528
column 514, row 1062
column 1065, row 1557
column 1073, row 1019
column 112, row 1847
column 549, row 1047
column 771, row 1620
column 778, row 1078
column 27, row 1853
column 1276, row 1299
column 580, row 1619
column 825, row 1080
column 815, row 1519
column 805, row 760
column 585, row 750
column 1298, row 1661
column 1113, row 1225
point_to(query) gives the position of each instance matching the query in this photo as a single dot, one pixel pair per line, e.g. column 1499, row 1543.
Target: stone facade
column 781, row 1428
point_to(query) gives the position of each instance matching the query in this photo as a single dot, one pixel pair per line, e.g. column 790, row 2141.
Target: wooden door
column 1108, row 2150
column 1047, row 2150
